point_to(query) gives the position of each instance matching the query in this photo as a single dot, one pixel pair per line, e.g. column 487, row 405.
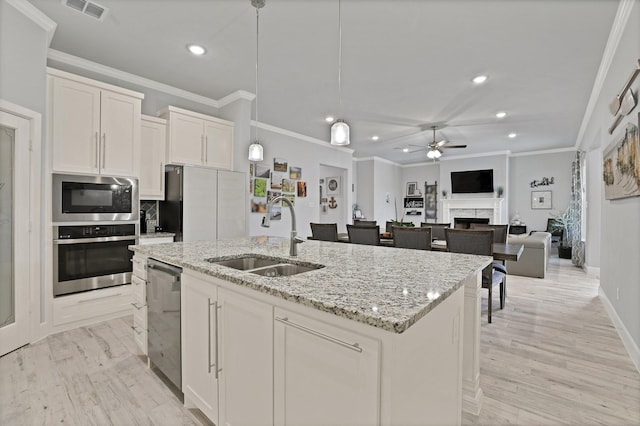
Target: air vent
column 87, row 7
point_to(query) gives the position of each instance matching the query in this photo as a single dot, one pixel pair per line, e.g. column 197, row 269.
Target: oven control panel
column 93, row 231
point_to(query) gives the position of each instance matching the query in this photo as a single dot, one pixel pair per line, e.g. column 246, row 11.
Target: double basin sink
column 265, row 266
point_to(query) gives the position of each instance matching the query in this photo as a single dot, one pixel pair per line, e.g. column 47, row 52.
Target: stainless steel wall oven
column 88, row 257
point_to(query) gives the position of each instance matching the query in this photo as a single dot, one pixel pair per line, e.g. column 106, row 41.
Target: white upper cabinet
column 95, row 127
column 198, row 139
column 153, row 141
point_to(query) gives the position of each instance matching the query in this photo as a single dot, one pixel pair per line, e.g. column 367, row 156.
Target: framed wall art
column 333, row 185
column 541, row 199
column 621, row 165
column 412, row 189
column 431, row 201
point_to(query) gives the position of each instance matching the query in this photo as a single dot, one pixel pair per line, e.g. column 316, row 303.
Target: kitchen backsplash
column 151, row 207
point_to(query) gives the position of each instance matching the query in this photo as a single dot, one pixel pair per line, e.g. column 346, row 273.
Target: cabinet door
column 75, row 126
column 323, row 374
column 218, row 150
column 246, row 351
column 199, row 378
column 120, row 134
column 186, row 139
column 231, row 205
column 152, row 154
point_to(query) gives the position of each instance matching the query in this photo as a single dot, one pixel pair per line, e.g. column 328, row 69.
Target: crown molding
column 484, row 154
column 235, row 96
column 300, row 136
column 39, row 18
column 87, row 65
column 426, row 163
column 380, row 159
column 544, row 151
column 617, row 29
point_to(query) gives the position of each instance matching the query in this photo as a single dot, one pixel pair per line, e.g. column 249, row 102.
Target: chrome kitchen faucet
column 266, row 222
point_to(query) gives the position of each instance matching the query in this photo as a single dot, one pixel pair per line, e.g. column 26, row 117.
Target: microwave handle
column 94, row 240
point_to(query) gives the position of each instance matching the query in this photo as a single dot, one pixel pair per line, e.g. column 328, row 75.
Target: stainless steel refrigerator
column 203, row 204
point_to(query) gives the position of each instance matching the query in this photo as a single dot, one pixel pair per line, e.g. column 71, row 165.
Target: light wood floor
column 551, row 356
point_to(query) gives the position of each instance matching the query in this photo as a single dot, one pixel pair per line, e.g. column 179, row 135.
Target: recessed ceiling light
column 196, row 50
column 512, row 135
column 405, row 149
column 329, row 119
column 375, row 137
column 480, row 79
column 501, row 114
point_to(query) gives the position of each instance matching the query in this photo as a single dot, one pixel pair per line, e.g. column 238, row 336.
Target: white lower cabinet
column 246, row 360
column 139, row 303
column 323, row 375
column 199, row 345
column 227, row 353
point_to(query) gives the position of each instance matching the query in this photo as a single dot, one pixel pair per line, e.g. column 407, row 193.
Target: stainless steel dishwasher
column 163, row 307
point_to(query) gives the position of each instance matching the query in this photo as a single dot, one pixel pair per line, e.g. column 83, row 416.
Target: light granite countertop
column 385, row 287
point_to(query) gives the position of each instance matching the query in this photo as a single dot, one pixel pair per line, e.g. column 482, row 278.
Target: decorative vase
column 564, row 252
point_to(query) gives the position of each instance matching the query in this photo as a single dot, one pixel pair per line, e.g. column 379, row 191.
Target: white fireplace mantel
column 490, row 208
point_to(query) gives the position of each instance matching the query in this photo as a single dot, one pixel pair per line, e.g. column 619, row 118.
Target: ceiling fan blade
column 453, row 146
column 442, row 142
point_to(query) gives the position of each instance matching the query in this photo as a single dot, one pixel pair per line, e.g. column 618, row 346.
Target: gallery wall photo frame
column 541, row 200
column 333, row 185
column 412, row 189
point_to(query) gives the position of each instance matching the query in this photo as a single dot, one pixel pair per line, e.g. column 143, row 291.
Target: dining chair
column 413, row 238
column 360, row 234
column 357, row 222
column 473, row 241
column 324, row 231
column 499, row 231
column 437, row 229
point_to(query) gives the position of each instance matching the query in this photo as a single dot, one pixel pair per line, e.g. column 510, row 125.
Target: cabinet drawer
column 94, row 304
column 140, row 337
column 139, row 289
column 140, row 317
column 140, row 267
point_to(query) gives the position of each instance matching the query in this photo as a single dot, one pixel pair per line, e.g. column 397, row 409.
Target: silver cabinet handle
column 202, row 148
column 209, row 333
column 206, row 148
column 218, row 370
column 134, row 328
column 137, row 305
column 352, row 346
column 104, row 149
column 161, row 176
column 97, row 146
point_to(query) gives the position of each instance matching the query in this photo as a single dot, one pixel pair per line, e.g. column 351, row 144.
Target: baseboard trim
column 627, row 340
column 593, row 271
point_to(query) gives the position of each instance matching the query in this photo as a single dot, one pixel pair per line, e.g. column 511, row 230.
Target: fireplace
column 465, row 222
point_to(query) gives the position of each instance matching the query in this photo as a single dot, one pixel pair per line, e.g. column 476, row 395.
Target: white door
column 14, row 232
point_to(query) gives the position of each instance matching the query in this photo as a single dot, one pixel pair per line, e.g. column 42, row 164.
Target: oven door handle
column 95, row 240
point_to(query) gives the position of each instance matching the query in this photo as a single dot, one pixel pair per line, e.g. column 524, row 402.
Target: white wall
column 523, row 170
column 311, row 157
column 593, row 181
column 498, row 162
column 620, row 226
column 364, row 188
column 386, row 181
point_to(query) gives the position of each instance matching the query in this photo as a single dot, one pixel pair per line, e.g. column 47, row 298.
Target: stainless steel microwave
column 78, row 198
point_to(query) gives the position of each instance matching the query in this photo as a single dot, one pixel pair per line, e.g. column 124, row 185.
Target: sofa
column 535, row 255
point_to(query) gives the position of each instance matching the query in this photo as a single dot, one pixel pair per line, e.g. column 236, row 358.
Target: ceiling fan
column 434, row 149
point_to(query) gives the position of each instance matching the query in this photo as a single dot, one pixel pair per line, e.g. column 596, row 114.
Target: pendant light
column 256, row 151
column 340, row 129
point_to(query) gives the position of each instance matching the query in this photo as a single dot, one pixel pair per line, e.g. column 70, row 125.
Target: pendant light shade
column 256, row 152
column 340, row 133
column 434, row 153
column 340, row 129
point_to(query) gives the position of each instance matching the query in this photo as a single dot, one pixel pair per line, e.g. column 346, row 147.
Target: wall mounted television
column 472, row 181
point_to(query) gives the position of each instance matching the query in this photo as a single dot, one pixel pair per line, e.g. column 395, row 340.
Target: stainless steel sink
column 246, row 263
column 284, row 270
column 267, row 267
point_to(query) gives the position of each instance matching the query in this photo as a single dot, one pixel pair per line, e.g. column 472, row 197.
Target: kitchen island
column 374, row 336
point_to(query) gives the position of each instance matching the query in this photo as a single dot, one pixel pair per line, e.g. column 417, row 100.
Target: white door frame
column 34, row 217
